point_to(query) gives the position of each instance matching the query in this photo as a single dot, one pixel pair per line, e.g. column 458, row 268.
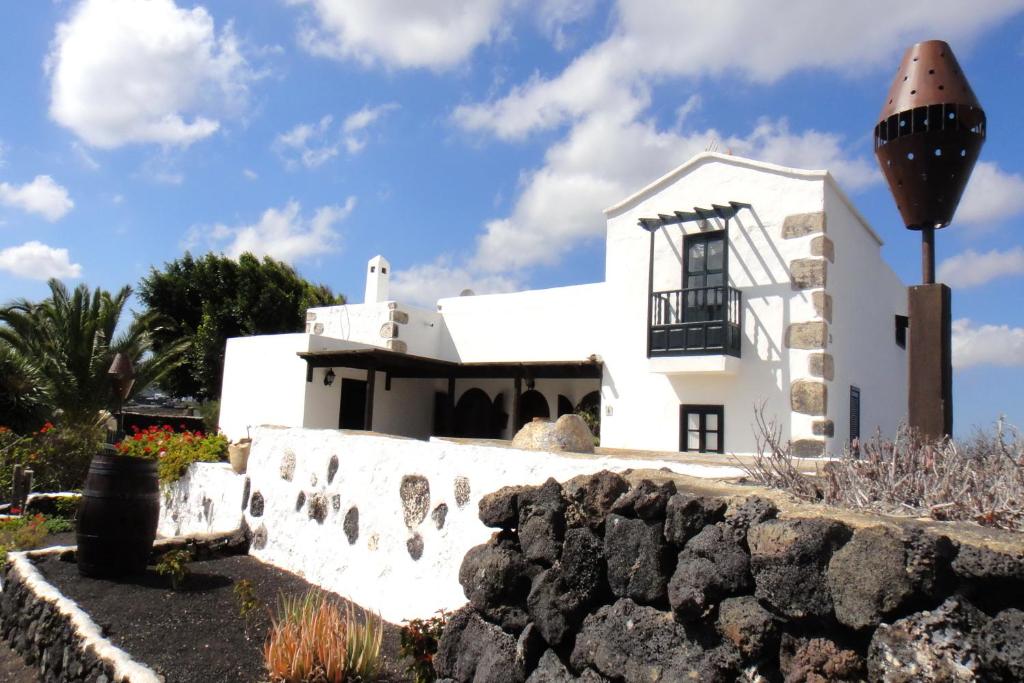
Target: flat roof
column 404, row 365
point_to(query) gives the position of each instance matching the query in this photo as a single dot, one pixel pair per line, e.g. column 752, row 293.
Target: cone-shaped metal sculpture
column 929, row 135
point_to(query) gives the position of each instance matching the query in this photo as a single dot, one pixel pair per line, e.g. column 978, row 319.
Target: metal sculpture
column 927, row 141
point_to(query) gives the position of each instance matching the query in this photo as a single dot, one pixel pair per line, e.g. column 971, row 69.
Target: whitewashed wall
column 207, row 499
column 377, row 569
column 866, row 295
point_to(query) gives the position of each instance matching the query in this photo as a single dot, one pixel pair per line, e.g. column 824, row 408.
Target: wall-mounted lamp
column 329, row 377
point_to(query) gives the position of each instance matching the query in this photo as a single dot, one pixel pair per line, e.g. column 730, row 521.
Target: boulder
column 818, row 660
column 550, row 669
column 1001, row 642
column 529, row 648
column 882, row 571
column 471, row 650
column 788, row 559
column 542, row 522
column 646, row 500
column 633, row 643
column 496, row 580
column 561, row 596
column 590, row 498
column 713, row 565
column 749, row 511
column 748, row 626
column 567, row 433
column 637, row 559
column 686, row 515
column 989, row 578
column 500, row 510
column 933, row 645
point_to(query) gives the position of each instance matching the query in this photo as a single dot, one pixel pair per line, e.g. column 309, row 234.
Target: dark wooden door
column 353, row 404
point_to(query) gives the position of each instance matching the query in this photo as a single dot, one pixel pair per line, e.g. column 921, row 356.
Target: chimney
column 377, row 274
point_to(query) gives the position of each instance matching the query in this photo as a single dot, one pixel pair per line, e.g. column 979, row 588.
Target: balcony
column 701, row 321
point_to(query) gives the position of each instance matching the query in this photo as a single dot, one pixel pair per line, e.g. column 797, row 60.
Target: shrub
column 419, row 643
column 173, row 451
column 246, row 596
column 21, row 533
column 315, row 640
column 979, row 480
column 174, row 564
column 58, row 455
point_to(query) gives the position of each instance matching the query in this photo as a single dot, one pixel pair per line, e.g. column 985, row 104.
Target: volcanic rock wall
column 597, row 580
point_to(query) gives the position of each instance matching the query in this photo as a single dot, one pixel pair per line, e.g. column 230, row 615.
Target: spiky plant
column 69, row 341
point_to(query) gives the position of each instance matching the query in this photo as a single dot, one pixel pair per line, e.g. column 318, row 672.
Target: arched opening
column 532, row 404
column 473, row 415
column 564, row 405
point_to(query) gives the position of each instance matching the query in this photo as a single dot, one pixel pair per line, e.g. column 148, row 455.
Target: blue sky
column 475, row 143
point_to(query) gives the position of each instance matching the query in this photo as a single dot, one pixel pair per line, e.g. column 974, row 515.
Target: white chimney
column 377, row 274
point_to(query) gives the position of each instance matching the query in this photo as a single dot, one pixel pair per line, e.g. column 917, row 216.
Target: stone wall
column 51, row 633
column 598, row 580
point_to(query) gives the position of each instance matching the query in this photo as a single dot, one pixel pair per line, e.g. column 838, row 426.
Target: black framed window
column 902, row 323
column 702, row 428
column 854, row 413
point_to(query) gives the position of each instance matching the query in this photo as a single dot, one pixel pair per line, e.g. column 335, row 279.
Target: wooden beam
column 516, row 395
column 371, row 377
column 450, row 408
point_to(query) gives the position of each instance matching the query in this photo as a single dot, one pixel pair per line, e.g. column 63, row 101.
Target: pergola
column 397, row 365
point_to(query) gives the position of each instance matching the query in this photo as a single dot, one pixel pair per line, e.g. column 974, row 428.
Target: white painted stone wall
column 377, row 570
column 207, row 499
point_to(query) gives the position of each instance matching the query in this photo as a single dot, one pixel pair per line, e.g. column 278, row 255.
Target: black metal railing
column 696, row 321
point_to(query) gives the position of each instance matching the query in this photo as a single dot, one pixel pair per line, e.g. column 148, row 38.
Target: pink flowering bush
column 173, row 451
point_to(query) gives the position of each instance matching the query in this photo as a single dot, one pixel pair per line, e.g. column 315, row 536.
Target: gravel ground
column 194, row 635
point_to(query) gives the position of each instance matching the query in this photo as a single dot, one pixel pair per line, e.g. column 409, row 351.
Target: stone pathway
column 13, row 669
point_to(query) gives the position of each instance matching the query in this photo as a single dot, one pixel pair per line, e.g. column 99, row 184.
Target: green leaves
column 63, row 347
column 212, row 298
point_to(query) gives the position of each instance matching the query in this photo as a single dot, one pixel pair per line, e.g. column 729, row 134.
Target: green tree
column 64, row 345
column 212, row 298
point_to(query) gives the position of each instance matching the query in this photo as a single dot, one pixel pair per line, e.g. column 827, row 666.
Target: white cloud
column 555, row 16
column 84, row 157
column 3, row 153
column 424, row 284
column 971, row 269
column 608, row 156
column 144, row 71
column 38, row 261
column 285, row 234
column 655, row 39
column 399, row 33
column 359, row 121
column 992, row 196
column 42, row 196
column 307, row 144
column 313, row 144
column 250, row 174
column 1000, row 345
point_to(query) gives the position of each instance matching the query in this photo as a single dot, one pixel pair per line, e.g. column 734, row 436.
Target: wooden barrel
column 117, row 517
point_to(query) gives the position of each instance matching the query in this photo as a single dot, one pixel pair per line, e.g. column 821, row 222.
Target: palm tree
column 69, row 341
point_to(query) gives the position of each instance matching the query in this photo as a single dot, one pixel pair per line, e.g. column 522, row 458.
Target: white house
column 729, row 283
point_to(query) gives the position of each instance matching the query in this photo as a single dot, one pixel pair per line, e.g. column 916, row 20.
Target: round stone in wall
column 351, row 525
column 318, row 507
column 332, row 468
column 256, row 504
column 336, row 502
column 439, row 514
column 245, row 493
column 415, row 546
column 415, row 494
column 461, row 491
column 288, row 465
column 312, row 479
column 300, row 501
column 259, row 537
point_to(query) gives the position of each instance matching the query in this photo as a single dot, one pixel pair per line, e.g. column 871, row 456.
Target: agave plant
column 65, row 344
